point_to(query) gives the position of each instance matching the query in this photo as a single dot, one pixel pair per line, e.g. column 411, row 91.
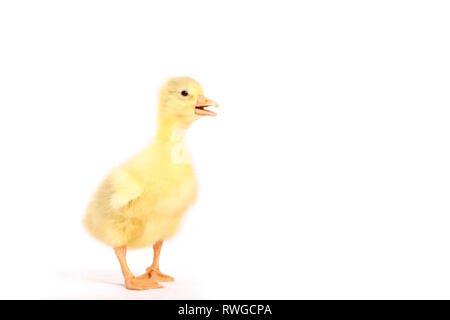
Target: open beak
column 202, row 103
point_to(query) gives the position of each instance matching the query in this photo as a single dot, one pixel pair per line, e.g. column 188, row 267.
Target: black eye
column 184, row 93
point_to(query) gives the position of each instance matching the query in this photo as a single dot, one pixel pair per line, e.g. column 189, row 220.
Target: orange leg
column 131, row 282
column 153, row 272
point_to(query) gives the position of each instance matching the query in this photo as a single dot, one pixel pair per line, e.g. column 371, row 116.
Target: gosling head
column 181, row 102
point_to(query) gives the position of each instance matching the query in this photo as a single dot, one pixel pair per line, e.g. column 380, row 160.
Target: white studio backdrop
column 325, row 175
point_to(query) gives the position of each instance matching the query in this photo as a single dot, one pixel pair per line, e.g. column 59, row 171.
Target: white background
column 325, row 175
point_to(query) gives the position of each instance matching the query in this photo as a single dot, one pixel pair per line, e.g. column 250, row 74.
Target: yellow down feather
column 143, row 200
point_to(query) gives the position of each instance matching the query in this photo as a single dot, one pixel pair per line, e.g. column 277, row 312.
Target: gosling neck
column 170, row 138
column 170, row 132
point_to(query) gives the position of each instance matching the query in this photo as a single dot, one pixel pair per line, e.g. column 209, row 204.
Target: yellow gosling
column 141, row 202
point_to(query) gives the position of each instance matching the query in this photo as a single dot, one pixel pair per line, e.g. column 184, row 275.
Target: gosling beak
column 202, row 103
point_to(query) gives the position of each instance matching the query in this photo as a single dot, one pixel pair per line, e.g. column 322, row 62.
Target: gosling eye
column 184, row 93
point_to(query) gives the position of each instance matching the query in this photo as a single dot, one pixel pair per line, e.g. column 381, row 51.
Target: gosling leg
column 153, row 272
column 131, row 282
